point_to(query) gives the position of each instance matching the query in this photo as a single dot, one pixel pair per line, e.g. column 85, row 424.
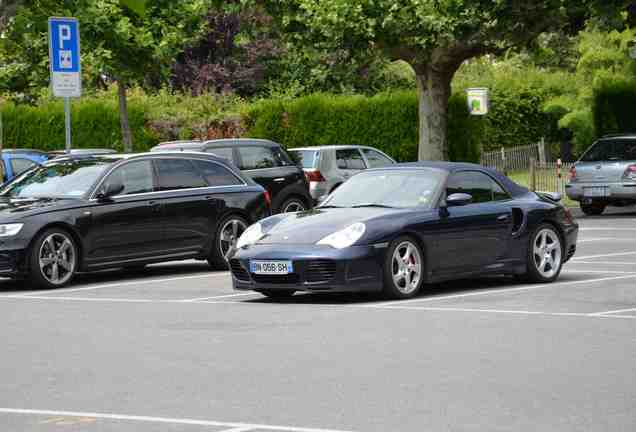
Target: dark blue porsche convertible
column 398, row 228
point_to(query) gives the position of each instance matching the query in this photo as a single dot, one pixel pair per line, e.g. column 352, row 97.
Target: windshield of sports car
column 389, row 188
column 64, row 179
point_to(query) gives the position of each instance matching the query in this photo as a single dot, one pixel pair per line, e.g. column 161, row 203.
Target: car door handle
column 154, row 205
column 280, row 179
column 503, row 218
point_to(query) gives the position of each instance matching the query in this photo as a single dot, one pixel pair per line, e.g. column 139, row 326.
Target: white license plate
column 598, row 191
column 271, row 267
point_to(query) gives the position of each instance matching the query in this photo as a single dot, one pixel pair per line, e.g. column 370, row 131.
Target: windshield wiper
column 372, row 205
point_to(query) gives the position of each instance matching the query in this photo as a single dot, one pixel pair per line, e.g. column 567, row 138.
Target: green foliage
column 604, row 63
column 466, row 132
column 95, row 123
column 387, row 121
column 518, row 94
column 95, row 120
column 136, row 43
column 614, row 106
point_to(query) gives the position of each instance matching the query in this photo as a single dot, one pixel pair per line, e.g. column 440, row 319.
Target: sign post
column 64, row 57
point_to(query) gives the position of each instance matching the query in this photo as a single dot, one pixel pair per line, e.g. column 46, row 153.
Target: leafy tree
column 232, row 56
column 128, row 42
column 434, row 36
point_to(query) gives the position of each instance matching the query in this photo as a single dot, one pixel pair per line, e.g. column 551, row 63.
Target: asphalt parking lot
column 173, row 348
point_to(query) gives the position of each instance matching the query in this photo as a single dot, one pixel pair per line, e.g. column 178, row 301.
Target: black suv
column 266, row 162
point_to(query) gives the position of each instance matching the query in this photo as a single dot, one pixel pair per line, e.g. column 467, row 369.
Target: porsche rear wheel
column 545, row 255
column 403, row 268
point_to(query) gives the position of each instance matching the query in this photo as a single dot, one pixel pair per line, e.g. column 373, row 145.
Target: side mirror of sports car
column 458, row 199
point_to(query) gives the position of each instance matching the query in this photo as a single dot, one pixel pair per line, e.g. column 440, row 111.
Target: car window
column 137, row 177
column 611, row 150
column 393, row 188
column 67, row 179
column 480, row 186
column 498, row 193
column 376, row 159
column 254, row 157
column 305, row 158
column 216, row 174
column 349, row 159
column 224, row 152
column 178, row 174
column 20, row 165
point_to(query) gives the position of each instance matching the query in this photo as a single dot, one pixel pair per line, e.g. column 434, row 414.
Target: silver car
column 605, row 175
column 327, row 167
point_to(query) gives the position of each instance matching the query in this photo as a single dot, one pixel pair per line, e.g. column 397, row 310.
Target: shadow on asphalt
column 433, row 290
column 118, row 275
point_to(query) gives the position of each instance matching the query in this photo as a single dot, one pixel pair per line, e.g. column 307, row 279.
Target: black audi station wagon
column 85, row 213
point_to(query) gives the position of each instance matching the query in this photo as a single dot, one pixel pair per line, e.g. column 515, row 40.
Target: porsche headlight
column 250, row 236
column 8, row 230
column 345, row 237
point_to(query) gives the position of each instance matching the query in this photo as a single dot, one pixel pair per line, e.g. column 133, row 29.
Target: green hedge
column 94, row 123
column 614, row 105
column 387, row 121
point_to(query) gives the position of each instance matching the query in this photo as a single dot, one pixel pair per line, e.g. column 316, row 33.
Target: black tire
column 594, row 209
column 393, row 289
column 292, row 204
column 533, row 260
column 56, row 246
column 277, row 294
column 217, row 254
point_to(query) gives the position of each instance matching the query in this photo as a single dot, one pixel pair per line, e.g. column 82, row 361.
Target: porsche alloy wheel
column 545, row 255
column 547, row 252
column 403, row 268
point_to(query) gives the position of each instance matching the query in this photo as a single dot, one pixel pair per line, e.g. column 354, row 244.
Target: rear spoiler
column 552, row 196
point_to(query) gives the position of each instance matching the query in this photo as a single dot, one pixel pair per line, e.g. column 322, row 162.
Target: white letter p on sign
column 64, row 34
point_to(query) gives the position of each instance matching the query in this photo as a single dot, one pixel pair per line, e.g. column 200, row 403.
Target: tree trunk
column 433, row 90
column 123, row 117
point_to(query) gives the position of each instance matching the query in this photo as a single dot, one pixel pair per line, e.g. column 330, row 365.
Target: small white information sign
column 477, row 101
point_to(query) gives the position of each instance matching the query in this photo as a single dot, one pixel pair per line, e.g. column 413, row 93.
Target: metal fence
column 530, row 166
column 548, row 177
column 515, row 158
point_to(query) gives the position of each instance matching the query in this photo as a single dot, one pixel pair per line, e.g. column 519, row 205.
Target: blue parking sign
column 64, row 56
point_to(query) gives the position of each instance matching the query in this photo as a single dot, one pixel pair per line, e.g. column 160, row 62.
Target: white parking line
column 614, row 312
column 119, row 284
column 614, row 239
column 603, row 255
column 508, row 312
column 200, row 299
column 175, row 421
column 498, row 291
column 606, row 263
column 599, row 271
column 91, row 299
column 607, row 229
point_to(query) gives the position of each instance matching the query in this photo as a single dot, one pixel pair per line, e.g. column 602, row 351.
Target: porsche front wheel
column 403, row 269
